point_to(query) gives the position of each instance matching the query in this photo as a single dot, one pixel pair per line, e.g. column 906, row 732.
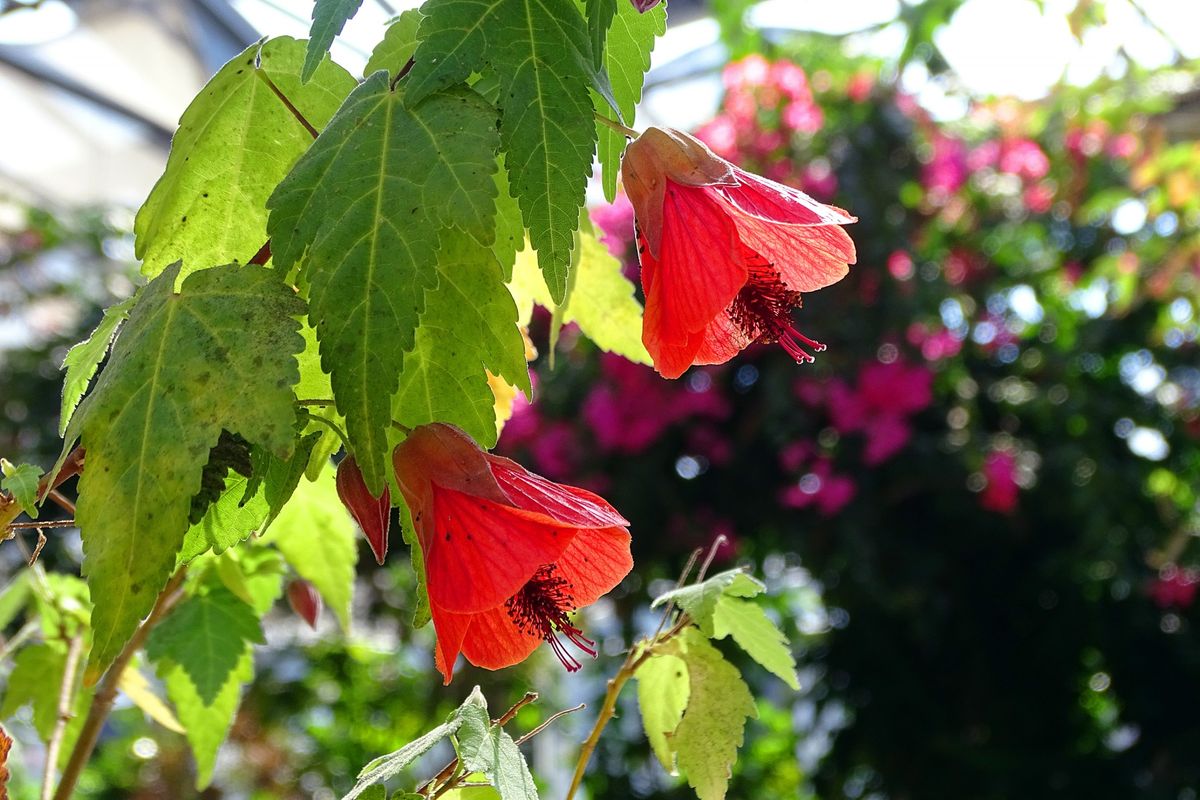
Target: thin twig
column 687, row 570
column 106, row 692
column 549, row 721
column 712, row 553
column 66, row 701
column 37, row 548
column 63, row 501
column 288, row 103
column 17, row 639
column 46, row 523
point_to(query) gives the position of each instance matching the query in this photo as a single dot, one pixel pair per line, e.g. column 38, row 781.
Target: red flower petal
column 495, row 642
column 595, row 562
column 567, row 505
column 696, row 277
column 478, row 553
column 775, row 202
column 722, row 341
column 451, row 630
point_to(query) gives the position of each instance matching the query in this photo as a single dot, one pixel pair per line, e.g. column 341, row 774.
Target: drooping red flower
column 725, row 254
column 373, row 514
column 508, row 554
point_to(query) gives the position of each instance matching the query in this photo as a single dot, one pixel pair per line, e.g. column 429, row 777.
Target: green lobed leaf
column 205, row 724
column 235, row 142
column 629, row 42
column 699, row 600
column 226, row 522
column 328, row 19
column 216, row 356
column 35, row 679
column 602, row 301
column 21, row 481
column 469, row 325
column 541, row 54
column 662, row 692
column 317, row 537
column 756, row 634
column 488, row 749
column 385, row 767
column 599, row 15
column 466, row 793
column 397, row 46
column 206, row 635
column 82, row 359
column 371, row 196
column 711, row 731
column 510, row 229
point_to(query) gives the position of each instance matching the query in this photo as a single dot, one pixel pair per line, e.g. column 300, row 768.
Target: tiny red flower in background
column 305, row 601
column 725, row 254
column 1001, row 491
column 373, row 514
column 508, row 554
column 1174, row 587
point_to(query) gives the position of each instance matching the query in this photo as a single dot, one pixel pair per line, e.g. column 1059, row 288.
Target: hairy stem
column 106, row 692
column 636, row 657
column 66, row 702
column 628, row 133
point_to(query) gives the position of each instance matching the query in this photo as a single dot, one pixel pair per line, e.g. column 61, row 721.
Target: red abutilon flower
column 508, row 554
column 373, row 514
column 725, row 254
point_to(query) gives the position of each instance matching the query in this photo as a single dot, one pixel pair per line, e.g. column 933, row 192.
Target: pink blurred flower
column 860, row 86
column 1001, row 490
column 791, row 80
column 556, row 450
column 1174, row 587
column 943, row 344
column 984, row 156
column 819, row 180
column 629, row 407
column 1123, row 146
column 1024, row 158
column 749, row 71
column 886, row 436
column 880, row 405
column 820, row 487
column 900, row 265
column 721, row 134
column 946, row 171
column 1039, row 197
column 805, row 117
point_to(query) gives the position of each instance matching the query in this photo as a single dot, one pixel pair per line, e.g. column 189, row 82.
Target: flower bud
column 373, row 514
column 305, row 601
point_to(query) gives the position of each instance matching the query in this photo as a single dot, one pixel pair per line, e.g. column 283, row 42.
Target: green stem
column 628, row 133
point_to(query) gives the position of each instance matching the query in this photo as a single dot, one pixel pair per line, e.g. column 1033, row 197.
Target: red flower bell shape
column 725, row 254
column 508, row 554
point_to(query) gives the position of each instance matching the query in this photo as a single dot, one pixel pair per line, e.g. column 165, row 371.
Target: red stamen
column 763, row 311
column 540, row 609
